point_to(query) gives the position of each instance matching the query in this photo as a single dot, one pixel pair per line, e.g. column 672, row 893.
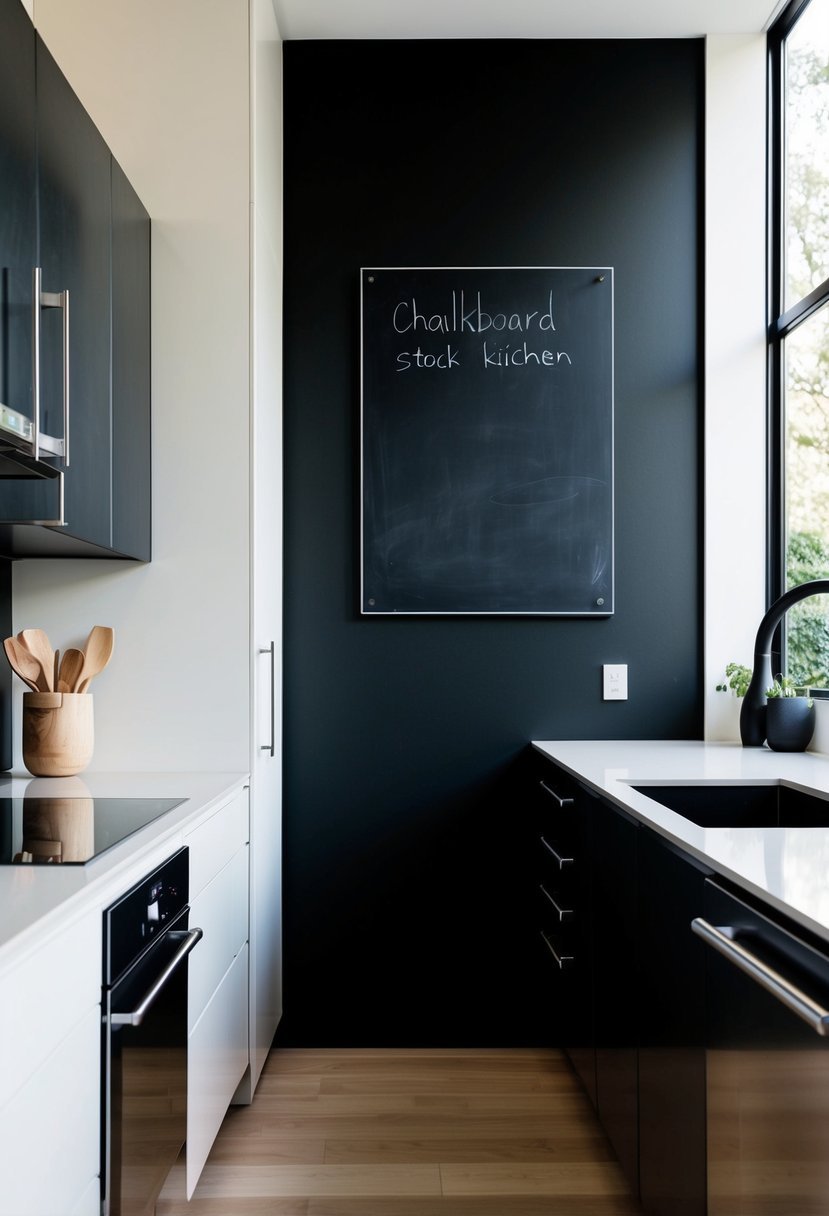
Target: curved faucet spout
column 753, row 712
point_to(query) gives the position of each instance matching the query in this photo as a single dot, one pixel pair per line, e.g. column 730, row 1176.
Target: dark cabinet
column 561, row 915
column 627, row 983
column 91, row 244
column 671, row 1017
column 615, row 974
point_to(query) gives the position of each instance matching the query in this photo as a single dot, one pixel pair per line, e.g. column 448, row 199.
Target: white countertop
column 39, row 899
column 787, row 867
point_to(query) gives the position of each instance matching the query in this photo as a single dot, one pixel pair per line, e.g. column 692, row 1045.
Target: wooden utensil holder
column 58, row 733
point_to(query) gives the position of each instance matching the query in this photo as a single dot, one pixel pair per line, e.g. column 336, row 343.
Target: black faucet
column 753, row 712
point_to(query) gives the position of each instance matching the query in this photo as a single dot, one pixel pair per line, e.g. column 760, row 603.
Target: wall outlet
column 615, row 681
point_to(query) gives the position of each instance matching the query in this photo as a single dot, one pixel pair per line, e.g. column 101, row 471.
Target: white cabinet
column 266, row 540
column 50, row 1051
column 217, row 1056
column 217, row 1015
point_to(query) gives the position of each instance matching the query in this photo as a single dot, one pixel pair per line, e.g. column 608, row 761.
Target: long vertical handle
column 36, row 294
column 271, row 650
column 55, row 299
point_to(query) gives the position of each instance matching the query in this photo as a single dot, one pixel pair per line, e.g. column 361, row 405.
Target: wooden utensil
column 70, row 669
column 22, row 663
column 38, row 644
column 97, row 653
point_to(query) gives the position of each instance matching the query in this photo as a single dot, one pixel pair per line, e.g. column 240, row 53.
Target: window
column 799, row 329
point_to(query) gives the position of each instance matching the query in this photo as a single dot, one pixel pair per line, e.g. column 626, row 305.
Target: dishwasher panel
column 767, row 1064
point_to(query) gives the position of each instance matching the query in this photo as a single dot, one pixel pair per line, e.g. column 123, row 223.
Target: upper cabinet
column 74, row 321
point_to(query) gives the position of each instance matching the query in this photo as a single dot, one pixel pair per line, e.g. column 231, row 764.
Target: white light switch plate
column 615, row 681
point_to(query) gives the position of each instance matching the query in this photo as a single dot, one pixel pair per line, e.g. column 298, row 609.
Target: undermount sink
column 741, row 806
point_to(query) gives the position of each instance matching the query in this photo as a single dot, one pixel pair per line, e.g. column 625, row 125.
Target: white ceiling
column 521, row 18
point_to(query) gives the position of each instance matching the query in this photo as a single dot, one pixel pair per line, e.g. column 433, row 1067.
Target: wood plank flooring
column 409, row 1133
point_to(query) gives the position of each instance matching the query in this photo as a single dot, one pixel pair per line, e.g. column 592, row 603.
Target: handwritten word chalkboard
column 487, row 441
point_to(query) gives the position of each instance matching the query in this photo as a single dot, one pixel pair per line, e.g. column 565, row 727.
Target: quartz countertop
column 786, row 867
column 36, row 900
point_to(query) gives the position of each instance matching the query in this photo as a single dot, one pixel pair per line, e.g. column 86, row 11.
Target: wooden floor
column 410, row 1133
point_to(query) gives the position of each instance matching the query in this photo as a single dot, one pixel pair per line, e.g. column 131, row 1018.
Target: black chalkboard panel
column 487, row 440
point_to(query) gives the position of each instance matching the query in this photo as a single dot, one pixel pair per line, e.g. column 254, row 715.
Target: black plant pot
column 790, row 724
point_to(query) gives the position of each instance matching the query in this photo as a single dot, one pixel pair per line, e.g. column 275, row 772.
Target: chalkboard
column 487, row 440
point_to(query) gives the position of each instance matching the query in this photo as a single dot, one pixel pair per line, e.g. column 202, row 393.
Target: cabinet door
column 130, row 370
column 217, row 1056
column 18, row 214
column 561, row 922
column 614, row 964
column 74, row 254
column 672, row 1015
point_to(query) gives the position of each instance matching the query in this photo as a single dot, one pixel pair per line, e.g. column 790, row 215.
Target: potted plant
column 790, row 717
column 737, row 678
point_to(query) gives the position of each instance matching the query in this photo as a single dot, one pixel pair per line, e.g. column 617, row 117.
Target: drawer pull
column 562, row 913
column 561, row 801
column 561, row 861
column 564, row 961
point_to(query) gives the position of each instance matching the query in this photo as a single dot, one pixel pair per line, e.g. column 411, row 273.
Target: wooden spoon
column 38, row 645
column 22, row 663
column 97, row 653
column 70, row 669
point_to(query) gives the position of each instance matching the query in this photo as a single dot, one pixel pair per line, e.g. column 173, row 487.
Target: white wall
column 167, row 82
column 735, row 363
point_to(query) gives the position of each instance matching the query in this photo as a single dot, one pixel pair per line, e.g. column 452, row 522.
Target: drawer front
column 221, row 912
column 49, row 1139
column 33, row 1021
column 217, row 1056
column 213, row 842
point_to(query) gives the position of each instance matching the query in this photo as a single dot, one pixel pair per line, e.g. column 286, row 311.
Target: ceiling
column 520, row 18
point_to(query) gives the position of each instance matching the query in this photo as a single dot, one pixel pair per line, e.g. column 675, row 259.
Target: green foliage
column 737, row 678
column 807, row 632
column 783, row 686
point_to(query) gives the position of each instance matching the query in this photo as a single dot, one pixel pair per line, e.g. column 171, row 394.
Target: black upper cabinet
column 18, row 208
column 92, row 241
column 131, row 499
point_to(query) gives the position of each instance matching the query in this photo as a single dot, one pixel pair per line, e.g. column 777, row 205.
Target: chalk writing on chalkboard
column 487, row 441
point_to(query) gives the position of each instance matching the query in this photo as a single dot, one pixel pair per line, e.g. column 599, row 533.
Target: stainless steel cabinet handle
column 723, row 939
column 563, row 960
column 48, row 299
column 271, row 650
column 563, row 913
column 561, row 801
column 561, row 861
column 136, row 1016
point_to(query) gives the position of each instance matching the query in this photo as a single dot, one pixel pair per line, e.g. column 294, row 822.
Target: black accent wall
column 404, row 817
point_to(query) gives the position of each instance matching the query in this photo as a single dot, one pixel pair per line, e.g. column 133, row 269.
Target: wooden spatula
column 71, row 667
column 97, row 653
column 22, row 663
column 38, row 645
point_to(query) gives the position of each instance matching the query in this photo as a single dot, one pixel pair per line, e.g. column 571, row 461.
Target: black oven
column 144, row 1046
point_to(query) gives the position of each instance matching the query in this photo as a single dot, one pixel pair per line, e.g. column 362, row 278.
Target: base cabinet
column 615, row 974
column 217, row 1056
column 560, row 918
column 671, row 1018
column 629, row 998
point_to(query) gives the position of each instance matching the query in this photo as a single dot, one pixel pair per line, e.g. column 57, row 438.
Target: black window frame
column 781, row 321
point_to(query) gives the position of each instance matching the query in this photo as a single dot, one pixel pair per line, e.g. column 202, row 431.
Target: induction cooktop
column 71, row 831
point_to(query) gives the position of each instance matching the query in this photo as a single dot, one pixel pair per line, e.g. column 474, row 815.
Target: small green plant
column 737, row 678
column 784, row 686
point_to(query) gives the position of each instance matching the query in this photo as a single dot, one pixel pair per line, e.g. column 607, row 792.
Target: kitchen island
column 685, row 962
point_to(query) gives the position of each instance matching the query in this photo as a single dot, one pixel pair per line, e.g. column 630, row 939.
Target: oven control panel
column 144, row 913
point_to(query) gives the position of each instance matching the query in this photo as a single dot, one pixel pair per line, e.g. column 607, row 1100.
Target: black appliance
column 767, row 1063
column 71, row 830
column 144, row 1041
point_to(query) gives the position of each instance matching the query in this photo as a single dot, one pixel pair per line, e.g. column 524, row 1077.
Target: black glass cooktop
column 71, row 831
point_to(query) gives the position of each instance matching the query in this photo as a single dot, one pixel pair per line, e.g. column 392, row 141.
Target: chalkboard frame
column 601, row 609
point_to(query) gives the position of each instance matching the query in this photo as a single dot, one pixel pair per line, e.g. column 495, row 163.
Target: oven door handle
column 135, row 1017
column 723, row 939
